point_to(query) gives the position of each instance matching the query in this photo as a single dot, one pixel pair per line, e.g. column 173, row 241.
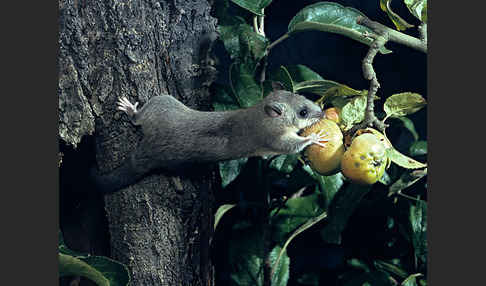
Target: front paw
column 319, row 138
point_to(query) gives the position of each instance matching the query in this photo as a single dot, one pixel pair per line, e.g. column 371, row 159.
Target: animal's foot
column 126, row 106
column 318, row 138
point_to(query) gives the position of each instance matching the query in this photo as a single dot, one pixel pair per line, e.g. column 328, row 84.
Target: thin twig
column 255, row 24
column 285, row 36
column 261, row 24
column 382, row 34
column 258, row 24
column 379, row 40
column 393, row 35
column 407, row 196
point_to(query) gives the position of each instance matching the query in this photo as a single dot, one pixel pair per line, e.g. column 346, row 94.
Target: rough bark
column 159, row 227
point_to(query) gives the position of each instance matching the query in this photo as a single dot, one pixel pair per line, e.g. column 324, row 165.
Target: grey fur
column 175, row 135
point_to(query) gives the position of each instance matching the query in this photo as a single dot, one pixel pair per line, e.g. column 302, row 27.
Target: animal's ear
column 274, row 109
column 276, row 85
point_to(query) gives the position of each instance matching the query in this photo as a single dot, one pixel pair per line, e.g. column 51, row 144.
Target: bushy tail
column 118, row 179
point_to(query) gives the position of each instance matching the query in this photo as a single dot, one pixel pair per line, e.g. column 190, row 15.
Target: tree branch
column 370, row 119
column 382, row 34
column 393, row 35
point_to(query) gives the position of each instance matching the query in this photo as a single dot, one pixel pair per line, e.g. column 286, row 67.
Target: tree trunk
column 160, row 227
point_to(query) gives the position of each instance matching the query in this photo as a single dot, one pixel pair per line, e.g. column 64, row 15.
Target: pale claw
column 321, row 133
column 317, row 138
column 126, row 106
column 320, row 144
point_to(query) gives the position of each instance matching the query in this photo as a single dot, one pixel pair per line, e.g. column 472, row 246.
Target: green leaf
column 302, row 228
column 358, row 264
column 373, row 278
column 340, row 210
column 254, row 6
column 382, row 265
column 296, row 180
column 245, row 256
column 418, row 148
column 403, row 104
column 402, row 160
column 116, row 272
column 418, row 8
column 401, row 24
column 411, row 280
column 220, row 212
column 280, row 262
column 99, row 269
column 246, row 259
column 69, row 266
column 64, row 249
column 310, row 222
column 229, row 170
column 412, row 222
column 327, row 89
column 353, row 112
column 242, row 43
column 329, row 185
column 300, row 73
column 223, row 99
column 282, row 75
column 334, row 18
column 293, row 214
column 408, row 124
column 418, row 222
column 391, row 174
column 285, row 163
column 229, row 33
column 247, row 91
column 406, row 180
column 385, row 179
column 253, row 47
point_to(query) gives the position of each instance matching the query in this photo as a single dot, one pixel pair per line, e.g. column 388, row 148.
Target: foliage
column 101, row 270
column 332, row 17
column 282, row 200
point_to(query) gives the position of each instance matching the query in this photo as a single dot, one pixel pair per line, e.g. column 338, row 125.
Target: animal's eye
column 303, row 112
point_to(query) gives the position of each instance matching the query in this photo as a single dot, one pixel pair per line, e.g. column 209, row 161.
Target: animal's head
column 293, row 109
